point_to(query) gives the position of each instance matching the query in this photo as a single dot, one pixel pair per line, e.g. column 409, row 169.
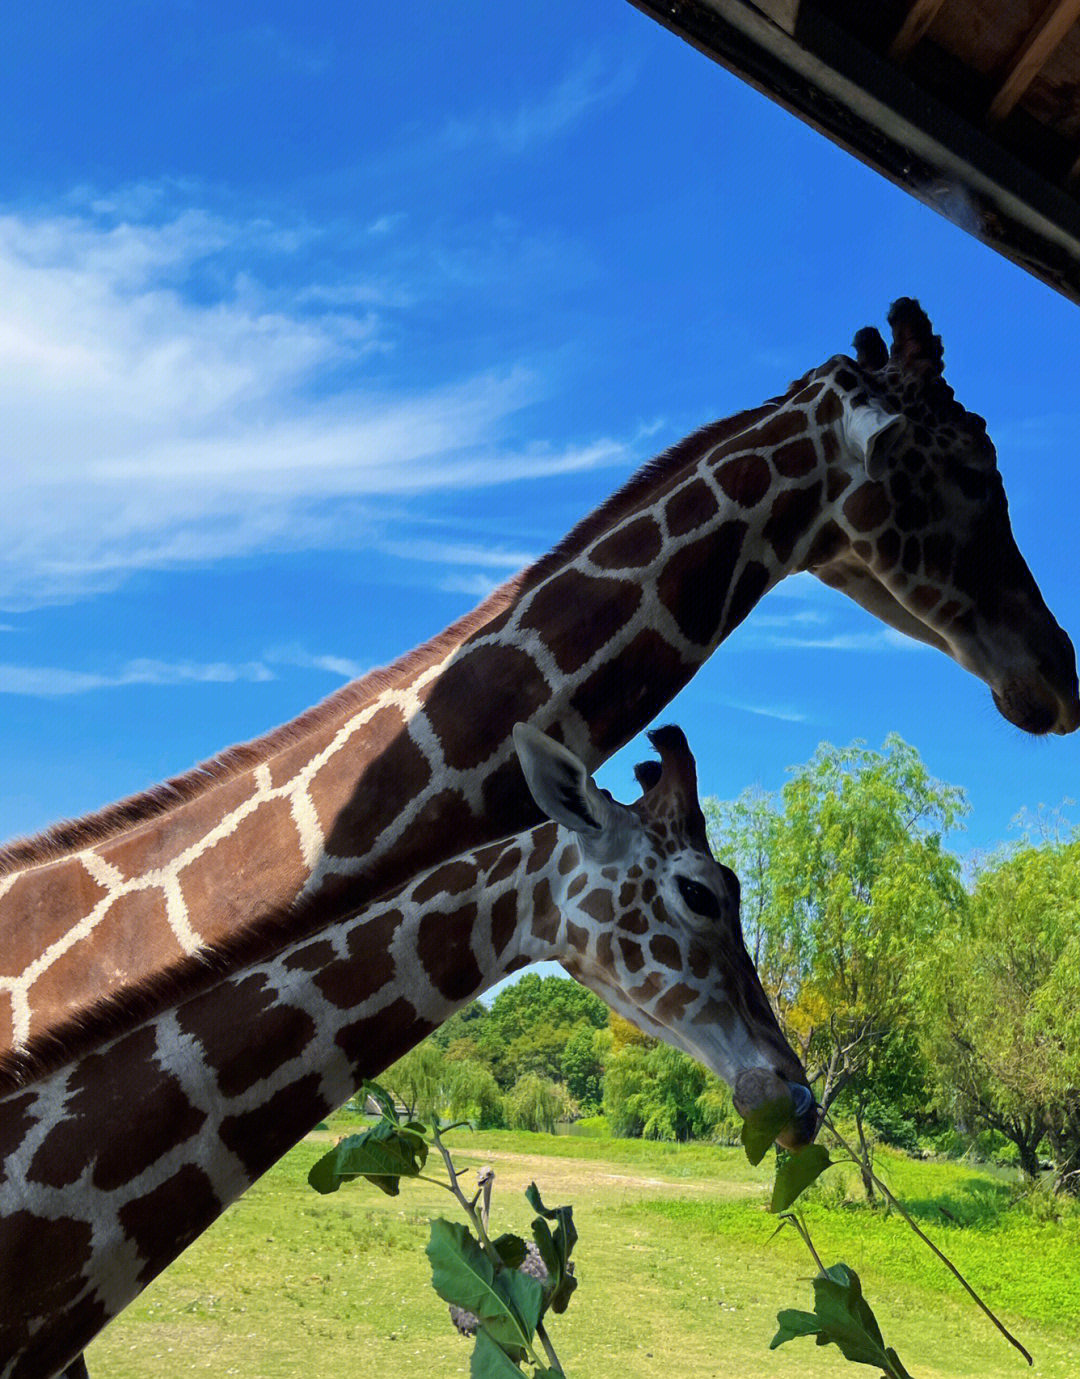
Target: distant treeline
column 929, row 1007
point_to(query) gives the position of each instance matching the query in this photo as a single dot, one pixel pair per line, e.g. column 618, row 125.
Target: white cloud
column 586, row 87
column 784, row 712
column 342, row 666
column 55, row 681
column 162, row 406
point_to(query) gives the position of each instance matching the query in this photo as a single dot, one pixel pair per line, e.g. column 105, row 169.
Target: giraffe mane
column 624, row 499
column 192, row 973
column 71, row 835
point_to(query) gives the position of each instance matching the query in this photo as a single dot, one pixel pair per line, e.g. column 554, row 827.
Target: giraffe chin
column 1034, row 712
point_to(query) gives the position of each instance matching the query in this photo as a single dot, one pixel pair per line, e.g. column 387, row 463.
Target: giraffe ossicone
column 115, row 1162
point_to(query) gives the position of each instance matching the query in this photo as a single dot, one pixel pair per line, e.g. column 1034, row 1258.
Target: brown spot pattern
column 224, row 1032
column 696, row 580
column 867, row 507
column 452, row 879
column 579, row 614
column 259, row 1137
column 795, row 460
column 690, row 507
column 165, row 1221
column 443, row 945
column 369, row 967
column 745, row 480
column 503, row 921
column 666, row 951
column 103, row 1088
column 500, row 685
column 375, row 1041
column 635, row 545
column 353, row 811
column 630, row 688
column 793, row 511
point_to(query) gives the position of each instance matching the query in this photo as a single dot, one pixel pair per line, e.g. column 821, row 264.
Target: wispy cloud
column 54, row 681
column 589, row 86
column 784, row 712
column 163, row 406
column 343, row 666
column 50, row 682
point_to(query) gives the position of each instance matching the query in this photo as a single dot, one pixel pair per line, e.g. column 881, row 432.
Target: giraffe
column 866, row 472
column 100, row 1190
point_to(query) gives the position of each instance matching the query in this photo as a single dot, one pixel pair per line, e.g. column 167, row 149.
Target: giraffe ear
column 871, row 432
column 559, row 782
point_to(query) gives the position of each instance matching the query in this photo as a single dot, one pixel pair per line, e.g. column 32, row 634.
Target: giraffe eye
column 699, row 898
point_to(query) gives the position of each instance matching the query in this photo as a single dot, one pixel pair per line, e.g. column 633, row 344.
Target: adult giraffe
column 101, row 1186
column 867, row 472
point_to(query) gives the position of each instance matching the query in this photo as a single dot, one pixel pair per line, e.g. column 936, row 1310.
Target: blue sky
column 314, row 326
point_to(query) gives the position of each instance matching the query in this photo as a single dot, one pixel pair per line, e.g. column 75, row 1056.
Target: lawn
column 675, row 1262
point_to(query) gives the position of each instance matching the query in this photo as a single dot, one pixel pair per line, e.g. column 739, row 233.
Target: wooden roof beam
column 1057, row 20
column 916, row 22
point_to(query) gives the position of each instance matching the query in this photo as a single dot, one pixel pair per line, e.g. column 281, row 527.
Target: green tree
column 657, row 1092
column 473, row 1094
column 536, row 1103
column 582, row 1066
column 1004, row 1021
column 530, row 1022
column 418, row 1080
column 847, row 886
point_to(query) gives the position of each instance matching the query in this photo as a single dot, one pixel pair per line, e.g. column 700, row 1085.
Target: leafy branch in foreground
column 469, row 1270
column 841, row 1315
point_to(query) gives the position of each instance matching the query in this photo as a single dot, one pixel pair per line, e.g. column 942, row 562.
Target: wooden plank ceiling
column 972, row 105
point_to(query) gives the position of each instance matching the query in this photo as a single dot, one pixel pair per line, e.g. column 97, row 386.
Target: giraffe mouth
column 758, row 1088
column 1035, row 711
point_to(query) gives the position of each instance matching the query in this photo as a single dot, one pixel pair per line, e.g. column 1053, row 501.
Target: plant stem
column 889, row 1197
column 549, row 1349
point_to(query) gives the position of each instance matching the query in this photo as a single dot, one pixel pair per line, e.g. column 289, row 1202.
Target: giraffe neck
column 589, row 644
column 116, row 1162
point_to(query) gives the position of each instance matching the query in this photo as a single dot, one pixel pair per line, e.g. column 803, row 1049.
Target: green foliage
column 842, row 1317
column 582, row 1065
column 762, row 1125
column 417, row 1079
column 796, row 1173
column 530, row 1023
column 471, row 1093
column 654, row 1091
column 383, row 1155
column 1002, row 1003
column 536, row 1103
column 555, row 1247
column 506, row 1301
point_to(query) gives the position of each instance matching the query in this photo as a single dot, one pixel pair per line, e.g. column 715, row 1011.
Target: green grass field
column 677, row 1272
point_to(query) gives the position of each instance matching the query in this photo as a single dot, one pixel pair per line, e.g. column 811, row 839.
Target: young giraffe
column 866, row 472
column 100, row 1188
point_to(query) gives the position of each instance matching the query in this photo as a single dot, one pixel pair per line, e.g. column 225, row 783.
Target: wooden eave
column 973, row 106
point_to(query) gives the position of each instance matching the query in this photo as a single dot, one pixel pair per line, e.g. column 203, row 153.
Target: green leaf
column 384, row 1155
column 762, row 1125
column 555, row 1247
column 380, row 1096
column 511, row 1250
column 508, row 1303
column 322, row 1125
column 842, row 1317
column 489, row 1360
column 796, row 1174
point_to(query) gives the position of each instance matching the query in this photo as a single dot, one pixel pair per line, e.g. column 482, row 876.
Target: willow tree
column 1005, row 1017
column 846, row 887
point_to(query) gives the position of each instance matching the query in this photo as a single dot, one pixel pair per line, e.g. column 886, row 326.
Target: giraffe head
column 650, row 920
column 919, row 532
